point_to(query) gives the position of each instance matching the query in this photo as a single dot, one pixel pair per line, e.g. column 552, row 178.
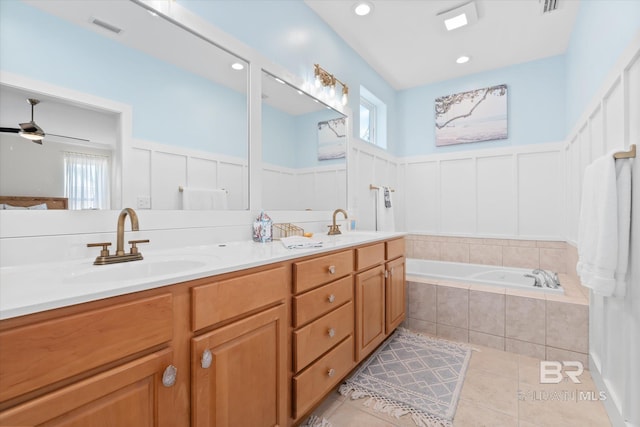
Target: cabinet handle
column 331, row 298
column 206, row 360
column 386, row 274
column 332, row 269
column 331, row 332
column 169, row 376
column 331, row 372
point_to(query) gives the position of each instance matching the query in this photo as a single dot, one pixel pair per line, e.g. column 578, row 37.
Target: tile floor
column 500, row 389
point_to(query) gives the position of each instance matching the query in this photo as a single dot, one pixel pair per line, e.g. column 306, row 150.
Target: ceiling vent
column 106, row 26
column 548, row 6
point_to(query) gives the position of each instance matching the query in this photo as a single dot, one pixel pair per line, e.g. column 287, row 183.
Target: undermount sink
column 135, row 270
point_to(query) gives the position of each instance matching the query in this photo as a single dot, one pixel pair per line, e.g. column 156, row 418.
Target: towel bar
column 631, row 154
column 374, row 187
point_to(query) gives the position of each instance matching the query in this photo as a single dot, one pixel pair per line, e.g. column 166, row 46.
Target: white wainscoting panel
column 168, row 173
column 611, row 124
column 457, row 196
column 495, row 186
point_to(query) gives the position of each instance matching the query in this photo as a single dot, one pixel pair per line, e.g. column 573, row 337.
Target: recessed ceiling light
column 237, row 66
column 460, row 16
column 462, row 59
column 362, row 8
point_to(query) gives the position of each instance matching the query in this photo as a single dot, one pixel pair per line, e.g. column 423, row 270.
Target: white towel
column 384, row 215
column 204, row 199
column 300, row 242
column 605, row 226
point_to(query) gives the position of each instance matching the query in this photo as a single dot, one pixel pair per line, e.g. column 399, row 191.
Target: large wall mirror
column 187, row 146
column 304, row 148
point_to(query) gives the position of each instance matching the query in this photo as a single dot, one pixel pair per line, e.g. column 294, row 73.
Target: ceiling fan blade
column 9, row 130
column 69, row 137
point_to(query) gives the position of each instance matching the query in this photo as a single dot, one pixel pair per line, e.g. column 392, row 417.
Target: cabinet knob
column 331, row 332
column 169, row 376
column 331, row 372
column 206, row 360
column 331, row 298
column 386, row 274
column 332, row 269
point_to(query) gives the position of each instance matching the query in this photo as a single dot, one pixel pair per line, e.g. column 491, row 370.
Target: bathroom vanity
column 261, row 344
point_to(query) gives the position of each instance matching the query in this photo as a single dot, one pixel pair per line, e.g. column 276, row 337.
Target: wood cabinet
column 260, row 347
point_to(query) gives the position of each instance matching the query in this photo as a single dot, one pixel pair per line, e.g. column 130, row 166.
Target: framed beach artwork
column 332, row 139
column 473, row 116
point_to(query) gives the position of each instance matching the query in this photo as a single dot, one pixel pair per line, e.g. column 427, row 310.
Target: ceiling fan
column 30, row 130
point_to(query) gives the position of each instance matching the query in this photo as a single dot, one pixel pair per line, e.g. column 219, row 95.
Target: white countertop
column 33, row 288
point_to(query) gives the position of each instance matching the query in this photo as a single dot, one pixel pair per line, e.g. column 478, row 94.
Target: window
column 373, row 119
column 86, row 181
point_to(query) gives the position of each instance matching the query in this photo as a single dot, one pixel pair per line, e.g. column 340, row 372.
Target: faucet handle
column 105, row 247
column 134, row 248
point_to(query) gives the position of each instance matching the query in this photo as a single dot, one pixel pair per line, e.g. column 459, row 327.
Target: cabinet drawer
column 218, row 301
column 315, row 303
column 318, row 337
column 312, row 385
column 36, row 355
column 395, row 248
column 314, row 272
column 369, row 256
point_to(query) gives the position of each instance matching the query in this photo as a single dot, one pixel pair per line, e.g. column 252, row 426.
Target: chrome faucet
column 133, row 255
column 335, row 228
column 551, row 280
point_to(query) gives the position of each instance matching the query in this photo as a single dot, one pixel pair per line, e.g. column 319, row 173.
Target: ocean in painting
column 487, row 128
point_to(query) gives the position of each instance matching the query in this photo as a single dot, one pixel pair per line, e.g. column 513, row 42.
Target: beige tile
column 561, row 405
column 422, row 301
column 528, row 369
column 403, row 421
column 572, row 261
column 561, row 355
column 408, row 247
column 521, row 257
column 526, row 293
column 523, row 243
column 452, row 284
column 553, row 260
column 495, row 362
column 487, row 312
column 422, row 326
column 348, row 415
column 567, row 326
column 551, row 244
column 471, row 414
column 452, row 306
column 329, row 405
column 525, row 319
column 487, row 288
column 486, row 340
column 526, row 348
column 424, row 249
column 454, row 252
column 498, row 242
column 485, row 254
column 491, row 391
column 452, row 333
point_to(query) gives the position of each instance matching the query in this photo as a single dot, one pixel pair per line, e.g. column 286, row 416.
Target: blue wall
column 292, row 35
column 535, row 106
column 162, row 95
column 602, row 31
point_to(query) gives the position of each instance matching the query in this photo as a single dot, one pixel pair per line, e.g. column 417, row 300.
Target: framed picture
column 332, row 139
column 473, row 116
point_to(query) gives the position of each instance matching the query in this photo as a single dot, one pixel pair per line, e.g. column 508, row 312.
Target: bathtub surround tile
column 523, row 243
column 426, row 250
column 553, row 260
column 572, row 261
column 422, row 301
column 487, row 340
column 523, row 293
column 408, row 247
column 452, row 333
column 452, row 307
column 525, row 319
column 567, row 326
column 521, row 257
column 454, row 252
column 485, row 254
column 552, row 244
column 525, row 348
column 487, row 312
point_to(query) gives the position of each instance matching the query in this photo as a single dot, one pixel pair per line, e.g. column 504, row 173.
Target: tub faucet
column 120, row 256
column 335, row 228
column 550, row 280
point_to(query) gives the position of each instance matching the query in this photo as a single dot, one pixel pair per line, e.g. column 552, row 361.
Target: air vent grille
column 549, row 6
column 106, row 26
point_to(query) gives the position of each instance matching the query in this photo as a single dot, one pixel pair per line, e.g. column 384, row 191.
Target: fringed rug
column 412, row 374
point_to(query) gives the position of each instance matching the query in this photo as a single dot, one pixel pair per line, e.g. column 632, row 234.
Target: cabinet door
column 370, row 321
column 239, row 373
column 129, row 395
column 395, row 294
